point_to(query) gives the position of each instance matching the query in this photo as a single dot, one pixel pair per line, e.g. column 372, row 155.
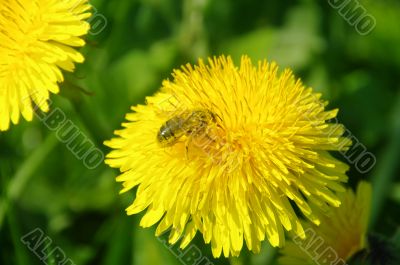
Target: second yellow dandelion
column 36, row 42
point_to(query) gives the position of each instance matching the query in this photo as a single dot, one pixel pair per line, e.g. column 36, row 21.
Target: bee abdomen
column 171, row 131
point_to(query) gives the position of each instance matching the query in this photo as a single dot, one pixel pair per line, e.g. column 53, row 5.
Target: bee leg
column 187, row 150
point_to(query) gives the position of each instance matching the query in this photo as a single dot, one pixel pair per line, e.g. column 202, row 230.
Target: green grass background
column 44, row 186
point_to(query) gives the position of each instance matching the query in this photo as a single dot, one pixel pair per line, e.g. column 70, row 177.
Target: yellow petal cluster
column 341, row 234
column 266, row 154
column 37, row 40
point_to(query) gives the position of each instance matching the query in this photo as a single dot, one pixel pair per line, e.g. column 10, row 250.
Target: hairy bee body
column 189, row 123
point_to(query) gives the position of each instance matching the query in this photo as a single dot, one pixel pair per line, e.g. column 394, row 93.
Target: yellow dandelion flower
column 36, row 41
column 341, row 234
column 223, row 150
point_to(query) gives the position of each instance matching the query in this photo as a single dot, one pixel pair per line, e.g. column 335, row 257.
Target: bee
column 189, row 123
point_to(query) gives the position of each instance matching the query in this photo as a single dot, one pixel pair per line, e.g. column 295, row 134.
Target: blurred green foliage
column 44, row 186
